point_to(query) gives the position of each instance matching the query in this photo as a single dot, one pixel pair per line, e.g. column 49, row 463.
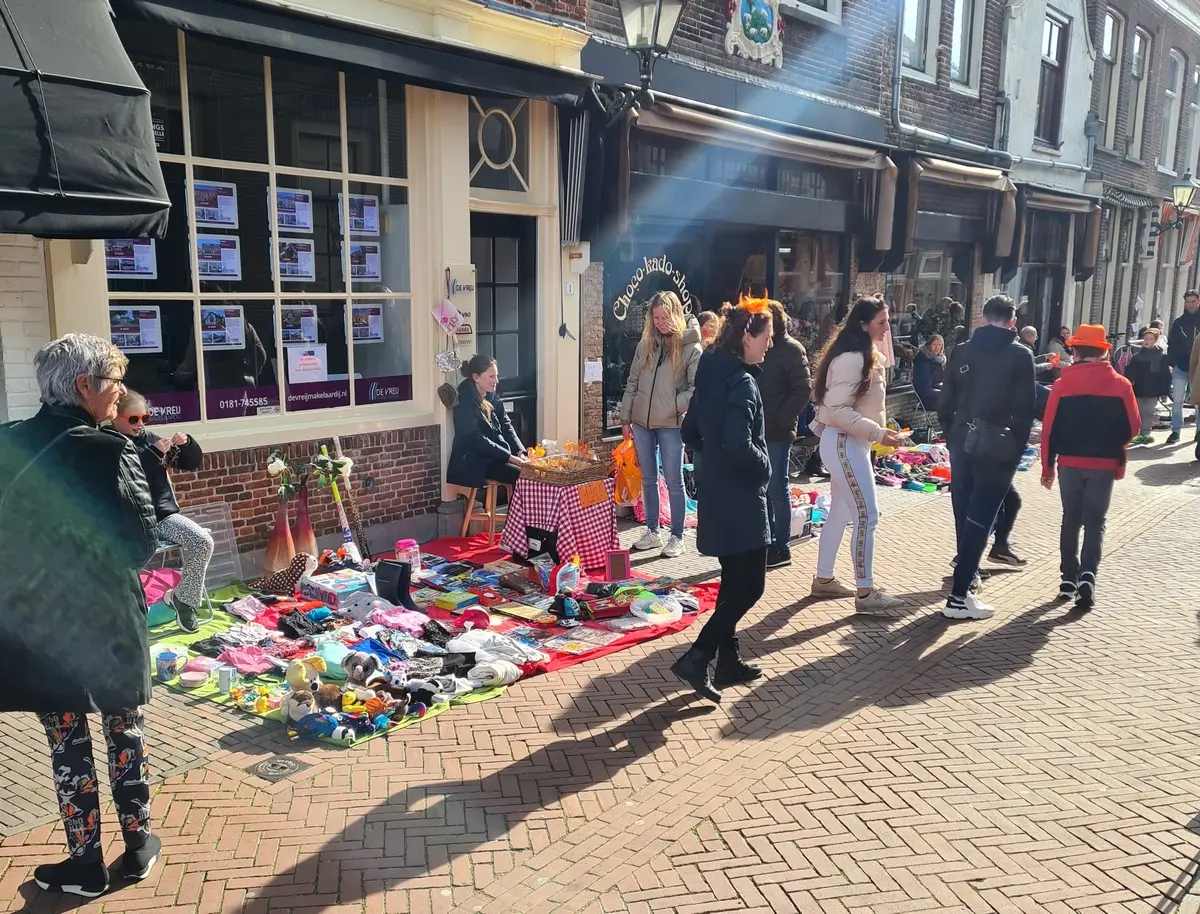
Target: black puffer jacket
column 1149, row 371
column 76, row 524
column 155, row 463
column 478, row 440
column 786, row 385
column 725, row 425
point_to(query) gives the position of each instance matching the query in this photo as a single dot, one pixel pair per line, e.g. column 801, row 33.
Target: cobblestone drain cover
column 277, row 768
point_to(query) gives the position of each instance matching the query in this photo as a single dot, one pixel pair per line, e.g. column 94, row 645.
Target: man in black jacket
column 76, row 523
column 785, row 385
column 1184, row 330
column 986, row 408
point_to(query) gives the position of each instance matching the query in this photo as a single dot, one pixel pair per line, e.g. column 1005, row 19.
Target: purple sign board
column 229, row 402
column 177, row 406
column 318, row 395
column 383, row 390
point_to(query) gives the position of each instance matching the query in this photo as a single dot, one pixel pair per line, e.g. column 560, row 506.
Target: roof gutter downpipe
column 1004, row 159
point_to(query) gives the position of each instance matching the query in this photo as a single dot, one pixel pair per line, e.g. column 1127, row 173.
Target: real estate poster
column 364, row 260
column 307, row 365
column 216, row 204
column 297, row 260
column 219, row 257
column 223, row 327
column 130, row 258
column 364, row 214
column 136, row 330
column 294, row 209
column 366, row 323
column 299, row 324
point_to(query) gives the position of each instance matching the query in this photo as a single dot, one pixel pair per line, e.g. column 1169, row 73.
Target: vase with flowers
column 290, row 478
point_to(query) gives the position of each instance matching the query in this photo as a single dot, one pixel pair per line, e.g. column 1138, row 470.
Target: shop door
column 502, row 249
column 1044, row 289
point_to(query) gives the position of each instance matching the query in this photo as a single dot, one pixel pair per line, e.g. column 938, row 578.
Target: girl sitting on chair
column 485, row 444
column 158, row 455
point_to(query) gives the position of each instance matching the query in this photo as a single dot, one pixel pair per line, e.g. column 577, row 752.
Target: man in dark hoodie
column 986, row 408
column 1184, row 330
column 785, row 385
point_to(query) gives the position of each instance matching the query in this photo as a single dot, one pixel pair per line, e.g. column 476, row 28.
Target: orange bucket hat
column 1094, row 336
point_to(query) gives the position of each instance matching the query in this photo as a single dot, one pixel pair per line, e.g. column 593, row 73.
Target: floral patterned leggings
column 75, row 779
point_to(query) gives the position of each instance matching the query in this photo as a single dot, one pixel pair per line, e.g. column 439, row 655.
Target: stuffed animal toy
column 329, row 696
column 297, row 705
column 305, row 674
column 359, row 667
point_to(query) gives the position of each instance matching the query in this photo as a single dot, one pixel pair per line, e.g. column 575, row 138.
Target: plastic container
column 409, row 551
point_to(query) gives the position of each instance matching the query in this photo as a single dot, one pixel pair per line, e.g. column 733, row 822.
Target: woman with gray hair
column 76, row 524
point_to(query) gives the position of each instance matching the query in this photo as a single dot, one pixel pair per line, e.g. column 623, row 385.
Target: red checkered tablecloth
column 586, row 532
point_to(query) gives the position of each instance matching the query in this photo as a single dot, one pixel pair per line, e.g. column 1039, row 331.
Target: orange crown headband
column 754, row 305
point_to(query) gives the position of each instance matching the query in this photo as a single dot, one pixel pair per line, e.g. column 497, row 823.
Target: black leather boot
column 392, row 582
column 692, row 668
column 731, row 669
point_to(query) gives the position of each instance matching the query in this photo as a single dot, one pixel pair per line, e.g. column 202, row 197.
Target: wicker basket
column 564, row 471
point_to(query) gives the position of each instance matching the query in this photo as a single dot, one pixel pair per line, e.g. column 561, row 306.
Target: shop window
column 228, row 102
column 810, row 282
column 1137, row 93
column 499, row 130
column 928, row 296
column 1051, row 82
column 1046, row 237
column 739, row 169
column 1172, row 108
column 1108, row 69
column 282, row 283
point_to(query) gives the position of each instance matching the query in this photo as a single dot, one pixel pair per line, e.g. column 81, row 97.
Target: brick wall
column 574, row 10
column 404, row 467
column 24, row 323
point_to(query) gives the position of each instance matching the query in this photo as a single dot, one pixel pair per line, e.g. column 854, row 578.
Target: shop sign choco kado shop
column 651, row 265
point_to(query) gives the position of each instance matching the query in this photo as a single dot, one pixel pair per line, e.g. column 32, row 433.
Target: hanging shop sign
column 755, row 31
column 649, row 267
column 460, row 286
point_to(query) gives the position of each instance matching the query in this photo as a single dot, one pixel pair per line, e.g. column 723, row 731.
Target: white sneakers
column 652, row 539
column 878, row 599
column 833, row 589
column 968, row 607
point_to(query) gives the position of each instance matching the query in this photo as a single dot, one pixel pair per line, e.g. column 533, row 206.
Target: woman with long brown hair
column 661, row 378
column 849, row 390
column 726, row 425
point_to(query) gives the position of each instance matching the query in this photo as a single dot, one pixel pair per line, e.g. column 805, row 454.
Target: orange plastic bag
column 628, row 475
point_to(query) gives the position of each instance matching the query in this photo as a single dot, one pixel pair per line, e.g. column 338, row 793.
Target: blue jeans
column 779, row 504
column 649, row 443
column 977, row 490
column 1179, row 387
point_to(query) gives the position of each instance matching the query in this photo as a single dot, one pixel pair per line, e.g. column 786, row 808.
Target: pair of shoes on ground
column 730, row 669
column 778, row 558
column 1143, row 439
column 652, row 539
column 186, row 615
column 876, row 600
column 91, row 879
column 1083, row 591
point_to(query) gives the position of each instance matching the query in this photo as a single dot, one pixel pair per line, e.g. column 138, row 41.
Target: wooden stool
column 489, row 513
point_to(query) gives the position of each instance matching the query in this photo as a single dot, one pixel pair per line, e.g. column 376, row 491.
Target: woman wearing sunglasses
column 158, row 455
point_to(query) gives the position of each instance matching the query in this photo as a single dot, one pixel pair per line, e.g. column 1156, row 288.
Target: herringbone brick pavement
column 1033, row 762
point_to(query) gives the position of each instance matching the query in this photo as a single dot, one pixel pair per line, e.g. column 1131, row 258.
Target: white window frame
column 975, row 49
column 1109, row 105
column 1168, row 147
column 933, row 26
column 832, row 15
column 1192, row 162
column 297, row 425
column 1064, row 28
column 1135, row 142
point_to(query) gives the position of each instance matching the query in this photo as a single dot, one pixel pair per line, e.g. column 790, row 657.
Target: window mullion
column 348, row 307
column 273, row 230
column 189, row 177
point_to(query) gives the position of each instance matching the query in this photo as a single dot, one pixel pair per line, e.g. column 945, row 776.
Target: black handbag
column 994, row 443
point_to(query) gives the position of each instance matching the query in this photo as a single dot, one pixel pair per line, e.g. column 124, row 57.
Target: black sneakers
column 778, row 558
column 186, row 616
column 1003, row 555
column 73, row 877
column 1085, row 593
column 1067, row 590
column 139, row 862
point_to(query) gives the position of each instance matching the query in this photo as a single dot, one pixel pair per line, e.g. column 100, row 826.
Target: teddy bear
column 305, row 674
column 297, row 705
column 360, row 667
column 329, row 696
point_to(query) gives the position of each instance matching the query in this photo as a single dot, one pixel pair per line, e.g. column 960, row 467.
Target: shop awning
column 699, row 127
column 427, row 65
column 977, row 177
column 1058, row 203
column 77, row 155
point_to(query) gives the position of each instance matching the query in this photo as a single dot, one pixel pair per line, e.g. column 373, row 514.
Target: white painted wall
column 1022, row 69
column 24, row 323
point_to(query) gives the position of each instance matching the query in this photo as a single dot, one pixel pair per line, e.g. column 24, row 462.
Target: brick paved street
column 1035, row 762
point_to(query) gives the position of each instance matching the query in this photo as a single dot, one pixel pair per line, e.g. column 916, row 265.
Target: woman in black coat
column 929, row 371
column 485, row 445
column 725, row 424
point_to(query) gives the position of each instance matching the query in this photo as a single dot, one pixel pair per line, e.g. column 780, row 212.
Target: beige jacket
column 656, row 395
column 861, row 417
column 1194, row 374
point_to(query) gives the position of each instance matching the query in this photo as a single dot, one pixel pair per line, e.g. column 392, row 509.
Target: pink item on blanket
column 156, row 583
column 246, row 660
column 400, row 620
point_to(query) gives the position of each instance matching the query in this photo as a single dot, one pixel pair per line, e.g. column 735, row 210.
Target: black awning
column 421, row 64
column 77, row 155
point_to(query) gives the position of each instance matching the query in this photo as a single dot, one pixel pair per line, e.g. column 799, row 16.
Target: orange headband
column 754, row 305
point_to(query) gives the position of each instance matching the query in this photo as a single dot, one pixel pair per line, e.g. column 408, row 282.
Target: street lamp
column 1182, row 193
column 650, row 27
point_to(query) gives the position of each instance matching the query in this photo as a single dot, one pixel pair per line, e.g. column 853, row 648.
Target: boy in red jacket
column 1090, row 418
